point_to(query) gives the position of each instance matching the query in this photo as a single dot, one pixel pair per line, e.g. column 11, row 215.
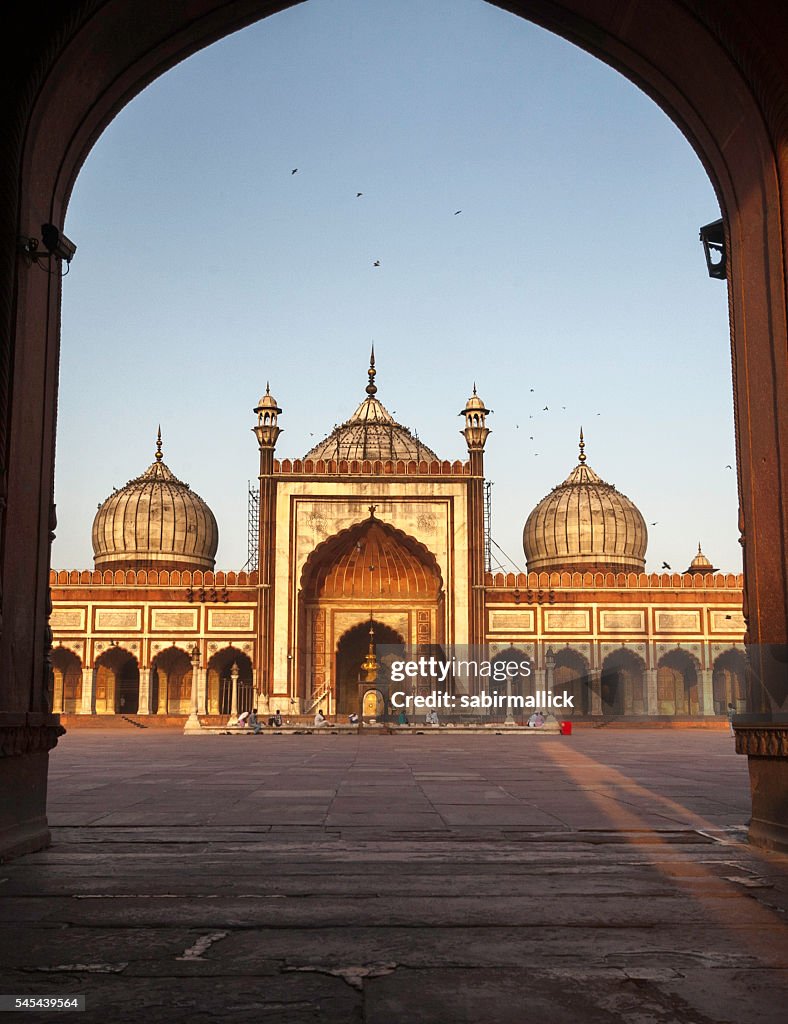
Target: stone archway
column 372, row 568
column 171, row 682
column 571, row 677
column 678, row 688
column 117, row 683
column 67, row 671
column 351, row 651
column 729, row 681
column 622, row 685
column 219, row 698
column 726, row 87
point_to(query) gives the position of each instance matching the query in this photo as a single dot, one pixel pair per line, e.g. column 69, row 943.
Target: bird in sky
column 729, row 466
column 294, row 170
column 376, row 263
column 456, row 212
column 545, row 409
column 665, row 565
column 655, row 524
column 532, row 390
column 531, row 438
column 359, row 195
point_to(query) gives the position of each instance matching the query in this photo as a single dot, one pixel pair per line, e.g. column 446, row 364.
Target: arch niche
column 219, row 682
column 725, row 87
column 117, row 683
column 571, row 677
column 622, row 685
column 67, row 673
column 171, row 682
column 678, row 690
column 370, row 569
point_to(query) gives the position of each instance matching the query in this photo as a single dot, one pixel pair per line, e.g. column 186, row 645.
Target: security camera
column 56, row 242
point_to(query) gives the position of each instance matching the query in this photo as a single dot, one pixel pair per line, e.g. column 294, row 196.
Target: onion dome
column 700, row 563
column 585, row 524
column 155, row 522
column 372, row 433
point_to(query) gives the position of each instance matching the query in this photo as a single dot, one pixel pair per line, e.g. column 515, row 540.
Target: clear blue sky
column 205, row 268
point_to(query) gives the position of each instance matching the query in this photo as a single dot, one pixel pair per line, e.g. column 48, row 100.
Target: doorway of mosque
column 351, row 651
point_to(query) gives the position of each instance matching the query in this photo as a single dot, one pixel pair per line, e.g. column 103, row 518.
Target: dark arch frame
column 726, row 87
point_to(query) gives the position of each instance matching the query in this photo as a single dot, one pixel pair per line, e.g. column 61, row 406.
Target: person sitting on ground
column 536, row 721
column 320, row 719
column 353, row 718
column 402, row 718
column 254, row 722
column 277, row 719
column 431, row 718
column 242, row 719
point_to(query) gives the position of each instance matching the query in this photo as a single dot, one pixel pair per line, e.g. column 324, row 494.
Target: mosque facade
column 372, row 529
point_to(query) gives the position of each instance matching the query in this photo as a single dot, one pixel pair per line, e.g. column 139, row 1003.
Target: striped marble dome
column 372, row 433
column 585, row 524
column 157, row 522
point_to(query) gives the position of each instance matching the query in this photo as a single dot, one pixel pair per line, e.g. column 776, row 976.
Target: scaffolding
column 488, row 525
column 252, row 527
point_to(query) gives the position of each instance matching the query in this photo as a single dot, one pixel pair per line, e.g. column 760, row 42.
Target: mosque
column 372, row 529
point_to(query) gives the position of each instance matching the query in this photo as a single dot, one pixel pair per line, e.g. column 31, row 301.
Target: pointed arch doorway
column 370, row 569
column 351, row 651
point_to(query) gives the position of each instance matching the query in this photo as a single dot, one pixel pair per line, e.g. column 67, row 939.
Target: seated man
column 320, row 719
column 276, row 721
column 536, row 721
column 254, row 722
column 353, row 718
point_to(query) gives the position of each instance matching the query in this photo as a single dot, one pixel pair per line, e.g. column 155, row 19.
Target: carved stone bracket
column 16, row 740
column 762, row 740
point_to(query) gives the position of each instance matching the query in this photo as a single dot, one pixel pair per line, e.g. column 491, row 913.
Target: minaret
column 267, row 432
column 475, row 434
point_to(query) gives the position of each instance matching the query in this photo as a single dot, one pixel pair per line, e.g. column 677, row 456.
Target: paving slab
column 602, row 877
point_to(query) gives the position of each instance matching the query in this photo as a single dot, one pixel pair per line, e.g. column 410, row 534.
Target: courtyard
column 601, row 877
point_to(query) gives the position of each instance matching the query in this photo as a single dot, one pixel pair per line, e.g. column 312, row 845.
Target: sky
column 571, row 278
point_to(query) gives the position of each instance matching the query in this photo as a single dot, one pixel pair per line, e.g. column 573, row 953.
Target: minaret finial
column 268, row 387
column 582, row 457
column 474, row 387
column 159, row 456
column 371, row 389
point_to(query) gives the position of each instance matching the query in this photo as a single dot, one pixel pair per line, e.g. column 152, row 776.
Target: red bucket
column 565, row 728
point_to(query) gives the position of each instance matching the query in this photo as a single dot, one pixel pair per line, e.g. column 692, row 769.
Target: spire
column 582, row 456
column 371, row 389
column 159, row 455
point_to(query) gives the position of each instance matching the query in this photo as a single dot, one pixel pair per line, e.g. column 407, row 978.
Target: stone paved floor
column 601, row 877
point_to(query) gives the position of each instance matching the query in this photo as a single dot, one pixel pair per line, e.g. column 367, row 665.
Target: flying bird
column 729, row 467
column 665, row 565
column 532, row 390
column 655, row 524
column 530, row 438
column 545, row 409
column 294, row 170
column 359, row 195
column 376, row 263
column 456, row 212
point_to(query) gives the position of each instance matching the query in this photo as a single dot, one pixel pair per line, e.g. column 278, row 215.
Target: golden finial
column 474, row 387
column 582, row 458
column 159, row 456
column 268, row 387
column 369, row 666
column 371, row 389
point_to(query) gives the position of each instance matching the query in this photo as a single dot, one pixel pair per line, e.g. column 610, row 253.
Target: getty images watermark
column 461, row 683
